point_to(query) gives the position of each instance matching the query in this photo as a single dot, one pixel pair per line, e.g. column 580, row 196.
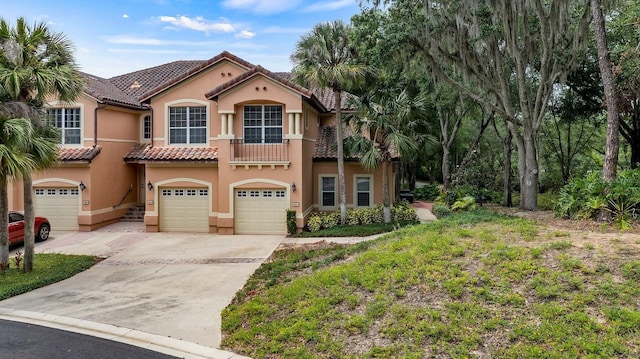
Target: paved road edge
column 166, row 345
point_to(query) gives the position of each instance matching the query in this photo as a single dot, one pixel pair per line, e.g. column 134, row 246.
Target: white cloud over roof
column 198, row 24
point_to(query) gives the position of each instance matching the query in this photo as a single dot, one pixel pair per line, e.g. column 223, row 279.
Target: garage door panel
column 59, row 205
column 184, row 210
column 260, row 211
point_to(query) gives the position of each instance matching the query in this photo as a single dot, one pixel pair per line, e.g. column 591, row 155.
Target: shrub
column 330, row 220
column 585, row 197
column 403, row 212
column 441, row 210
column 353, row 217
column 428, row 192
column 292, row 226
column 464, row 204
column 314, row 223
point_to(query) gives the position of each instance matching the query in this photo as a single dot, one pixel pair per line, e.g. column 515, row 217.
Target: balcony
column 247, row 154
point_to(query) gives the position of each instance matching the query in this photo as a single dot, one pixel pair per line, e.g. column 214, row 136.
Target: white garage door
column 59, row 205
column 261, row 211
column 184, row 210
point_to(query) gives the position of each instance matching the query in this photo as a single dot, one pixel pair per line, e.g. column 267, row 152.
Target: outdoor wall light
column 149, row 185
column 293, row 186
column 82, row 186
column 264, row 88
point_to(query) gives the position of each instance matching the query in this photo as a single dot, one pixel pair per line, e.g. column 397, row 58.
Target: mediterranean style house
column 220, row 146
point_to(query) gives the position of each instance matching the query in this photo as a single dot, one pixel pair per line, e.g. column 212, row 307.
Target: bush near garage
column 400, row 212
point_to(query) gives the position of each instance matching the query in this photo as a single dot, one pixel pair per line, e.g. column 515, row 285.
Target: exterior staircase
column 134, row 214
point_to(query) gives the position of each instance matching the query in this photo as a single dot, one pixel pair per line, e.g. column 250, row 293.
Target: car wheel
column 43, row 232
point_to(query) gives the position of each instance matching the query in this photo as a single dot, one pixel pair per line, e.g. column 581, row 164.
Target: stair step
column 134, row 214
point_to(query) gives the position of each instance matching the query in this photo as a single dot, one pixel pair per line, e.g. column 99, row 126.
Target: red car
column 16, row 228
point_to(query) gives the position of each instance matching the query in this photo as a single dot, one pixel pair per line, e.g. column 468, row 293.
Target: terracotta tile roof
column 105, row 91
column 72, row 154
column 146, row 83
column 137, row 83
column 326, row 144
column 144, row 152
column 133, row 89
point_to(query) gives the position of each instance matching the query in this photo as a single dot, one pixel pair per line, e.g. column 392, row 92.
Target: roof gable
column 258, row 71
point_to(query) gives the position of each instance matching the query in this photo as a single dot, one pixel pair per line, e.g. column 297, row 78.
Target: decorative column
column 290, row 124
column 230, row 128
column 297, row 123
column 224, row 124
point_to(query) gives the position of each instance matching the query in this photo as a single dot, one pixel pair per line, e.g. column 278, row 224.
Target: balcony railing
column 242, row 151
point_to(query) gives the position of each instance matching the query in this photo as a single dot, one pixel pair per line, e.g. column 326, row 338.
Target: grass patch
column 470, row 285
column 47, row 269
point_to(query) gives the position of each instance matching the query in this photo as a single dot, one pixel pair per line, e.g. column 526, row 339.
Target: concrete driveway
column 167, row 284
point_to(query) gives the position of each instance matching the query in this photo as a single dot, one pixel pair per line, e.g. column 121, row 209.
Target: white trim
column 107, row 209
column 184, row 102
column 62, row 104
column 355, row 190
column 335, row 192
column 157, row 185
column 142, row 139
column 305, row 212
column 56, row 179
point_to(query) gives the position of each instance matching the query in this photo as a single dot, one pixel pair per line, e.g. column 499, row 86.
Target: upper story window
column 262, row 124
column 188, row 125
column 146, row 127
column 67, row 119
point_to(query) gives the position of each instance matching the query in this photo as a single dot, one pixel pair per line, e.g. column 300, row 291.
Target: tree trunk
column 340, row 142
column 29, row 223
column 446, row 167
column 385, row 192
column 4, row 222
column 610, row 166
column 529, row 196
column 527, row 167
column 506, row 179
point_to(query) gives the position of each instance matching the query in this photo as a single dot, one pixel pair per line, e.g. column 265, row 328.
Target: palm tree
column 381, row 127
column 36, row 64
column 325, row 58
column 14, row 162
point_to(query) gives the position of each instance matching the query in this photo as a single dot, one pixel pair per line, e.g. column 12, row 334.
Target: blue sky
column 116, row 37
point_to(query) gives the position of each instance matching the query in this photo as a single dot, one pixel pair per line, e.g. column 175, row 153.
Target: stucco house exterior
column 219, row 145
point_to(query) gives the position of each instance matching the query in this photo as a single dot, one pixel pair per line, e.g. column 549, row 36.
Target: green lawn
column 47, row 269
column 473, row 285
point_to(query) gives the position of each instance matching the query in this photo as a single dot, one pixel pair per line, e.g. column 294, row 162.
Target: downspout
column 151, row 127
column 95, row 123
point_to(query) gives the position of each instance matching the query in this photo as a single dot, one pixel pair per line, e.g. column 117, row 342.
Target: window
column 328, row 191
column 68, row 121
column 280, row 194
column 166, row 192
column 15, row 217
column 241, row 194
column 267, row 194
column 204, row 192
column 188, row 125
column 146, row 127
column 363, row 191
column 263, row 124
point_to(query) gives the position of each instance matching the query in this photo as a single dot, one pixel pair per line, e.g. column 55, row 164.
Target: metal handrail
column 123, row 197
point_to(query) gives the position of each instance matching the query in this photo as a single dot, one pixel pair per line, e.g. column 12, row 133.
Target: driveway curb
column 158, row 343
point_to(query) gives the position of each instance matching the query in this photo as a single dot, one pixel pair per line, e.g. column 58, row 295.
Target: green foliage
column 400, row 212
column 47, row 269
column 292, row 226
column 585, row 197
column 428, row 192
column 464, row 204
column 441, row 210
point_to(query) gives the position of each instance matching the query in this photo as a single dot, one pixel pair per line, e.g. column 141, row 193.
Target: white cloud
column 125, row 16
column 328, row 6
column 198, row 24
column 261, row 6
column 149, row 41
column 246, row 34
column 147, row 51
